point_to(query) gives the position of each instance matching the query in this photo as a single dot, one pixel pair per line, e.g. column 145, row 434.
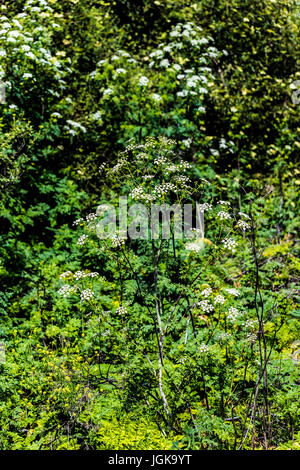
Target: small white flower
column 81, row 240
column 244, row 215
column 25, row 48
column 243, row 225
column 207, row 292
column 66, row 274
column 224, row 203
column 203, row 348
column 79, row 275
column 205, row 306
column 117, row 241
column 66, row 290
column 204, row 207
column 107, row 91
column 230, row 244
column 219, row 299
column 156, row 97
column 233, row 291
column 121, row 310
column 224, row 215
column 164, row 63
column 96, row 116
column 86, row 295
column 233, row 314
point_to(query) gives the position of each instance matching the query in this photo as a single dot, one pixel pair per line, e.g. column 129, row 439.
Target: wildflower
column 66, row 290
column 81, row 240
column 121, row 310
column 233, row 314
column 91, row 217
column 107, row 91
column 219, row 299
column 203, row 348
column 207, row 292
column 244, row 215
column 243, row 225
column 156, row 97
column 143, row 81
column 230, row 244
column 164, row 63
column 187, row 143
column 96, row 116
column 194, row 246
column 233, row 291
column 182, row 93
column 66, row 274
column 86, row 295
column 205, row 306
column 204, row 207
column 25, row 48
column 93, row 274
column 225, row 203
column 76, row 222
column 224, row 215
column 79, row 275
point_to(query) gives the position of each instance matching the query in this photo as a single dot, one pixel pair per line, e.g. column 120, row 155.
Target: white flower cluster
column 204, row 207
column 74, row 127
column 224, row 203
column 205, row 306
column 25, row 41
column 121, row 310
column 107, row 92
column 78, row 221
column 224, row 336
column 233, row 314
column 91, row 218
column 194, row 246
column 203, row 348
column 207, row 292
column 86, row 295
column 224, row 215
column 243, row 225
column 66, row 290
column 97, row 116
column 66, row 274
column 244, row 215
column 251, row 324
column 187, row 142
column 117, row 242
column 219, row 299
column 139, row 194
column 143, row 81
column 229, row 244
column 233, row 291
column 156, row 97
column 81, row 240
column 119, row 166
